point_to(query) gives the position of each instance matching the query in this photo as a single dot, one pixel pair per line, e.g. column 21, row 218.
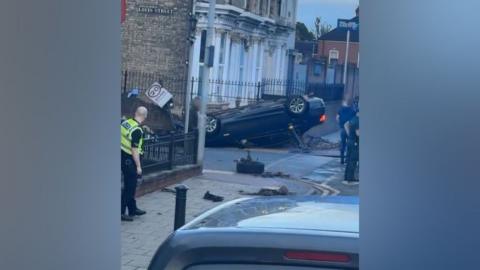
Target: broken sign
column 159, row 95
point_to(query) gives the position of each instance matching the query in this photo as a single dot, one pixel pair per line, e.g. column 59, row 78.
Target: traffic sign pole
column 205, row 84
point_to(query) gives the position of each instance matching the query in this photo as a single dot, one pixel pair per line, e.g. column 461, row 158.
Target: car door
column 259, row 121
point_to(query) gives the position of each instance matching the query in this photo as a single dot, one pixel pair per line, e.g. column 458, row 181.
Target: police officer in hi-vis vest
column 131, row 145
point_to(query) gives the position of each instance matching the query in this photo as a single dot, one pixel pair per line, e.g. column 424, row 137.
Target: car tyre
column 251, row 167
column 297, row 106
column 212, row 125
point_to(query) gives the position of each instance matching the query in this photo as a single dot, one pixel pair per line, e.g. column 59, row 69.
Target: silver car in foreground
column 263, row 233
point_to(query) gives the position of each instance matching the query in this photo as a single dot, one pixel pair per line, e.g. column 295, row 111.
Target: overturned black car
column 264, row 123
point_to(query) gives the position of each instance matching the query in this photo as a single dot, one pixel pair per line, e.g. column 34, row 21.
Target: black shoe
column 127, row 218
column 139, row 212
column 211, row 197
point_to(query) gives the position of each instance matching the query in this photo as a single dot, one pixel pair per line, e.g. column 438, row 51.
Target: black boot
column 127, row 218
column 211, row 197
column 139, row 212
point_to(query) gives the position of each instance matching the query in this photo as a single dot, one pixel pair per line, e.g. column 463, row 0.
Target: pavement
column 309, row 173
column 142, row 237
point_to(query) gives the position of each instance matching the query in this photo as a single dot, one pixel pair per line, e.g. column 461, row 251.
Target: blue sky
column 329, row 10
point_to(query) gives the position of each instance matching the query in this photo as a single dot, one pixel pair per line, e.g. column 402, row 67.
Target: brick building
column 328, row 60
column 254, row 40
column 155, row 36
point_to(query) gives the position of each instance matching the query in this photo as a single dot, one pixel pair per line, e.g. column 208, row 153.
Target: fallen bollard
column 180, row 206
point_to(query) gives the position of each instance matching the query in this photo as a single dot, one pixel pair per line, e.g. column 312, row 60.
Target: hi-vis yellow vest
column 127, row 128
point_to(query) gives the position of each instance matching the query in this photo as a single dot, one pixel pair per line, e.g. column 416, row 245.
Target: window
column 315, row 48
column 203, row 42
column 279, row 7
column 333, row 57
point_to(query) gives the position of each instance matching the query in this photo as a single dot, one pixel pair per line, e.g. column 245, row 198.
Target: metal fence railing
column 166, row 152
column 142, row 81
column 229, row 93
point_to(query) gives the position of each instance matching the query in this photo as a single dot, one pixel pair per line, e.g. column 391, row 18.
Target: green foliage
column 303, row 34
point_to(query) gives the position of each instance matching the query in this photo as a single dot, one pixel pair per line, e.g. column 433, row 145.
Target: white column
column 226, row 66
column 233, row 67
column 195, row 66
column 261, row 47
column 253, row 61
column 278, row 61
column 253, row 68
column 282, row 63
column 217, row 55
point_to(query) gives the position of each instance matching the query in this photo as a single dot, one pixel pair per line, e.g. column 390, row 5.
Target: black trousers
column 352, row 161
column 129, row 172
column 343, row 145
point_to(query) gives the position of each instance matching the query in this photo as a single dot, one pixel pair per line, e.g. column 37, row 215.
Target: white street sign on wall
column 159, row 95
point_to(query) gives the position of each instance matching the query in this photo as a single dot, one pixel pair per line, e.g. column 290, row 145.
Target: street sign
column 350, row 25
column 154, row 9
column 159, row 95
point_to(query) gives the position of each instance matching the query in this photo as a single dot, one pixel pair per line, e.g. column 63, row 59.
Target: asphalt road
column 324, row 172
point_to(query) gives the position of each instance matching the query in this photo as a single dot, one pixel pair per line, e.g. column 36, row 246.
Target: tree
column 321, row 28
column 303, row 34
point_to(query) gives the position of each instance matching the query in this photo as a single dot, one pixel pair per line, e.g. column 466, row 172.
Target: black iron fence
column 241, row 93
column 229, row 93
column 143, row 81
column 166, row 152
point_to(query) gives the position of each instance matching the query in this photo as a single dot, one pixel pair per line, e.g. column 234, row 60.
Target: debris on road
column 249, row 166
column 276, row 174
column 319, row 143
column 211, row 197
column 270, row 191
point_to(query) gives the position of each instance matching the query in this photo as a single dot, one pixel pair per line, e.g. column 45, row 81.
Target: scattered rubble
column 319, row 143
column 276, row 174
column 269, row 191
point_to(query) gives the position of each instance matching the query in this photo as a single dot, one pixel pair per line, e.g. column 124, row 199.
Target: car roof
column 293, row 213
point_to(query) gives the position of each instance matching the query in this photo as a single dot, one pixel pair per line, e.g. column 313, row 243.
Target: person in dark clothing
column 352, row 128
column 345, row 113
column 194, row 109
column 131, row 150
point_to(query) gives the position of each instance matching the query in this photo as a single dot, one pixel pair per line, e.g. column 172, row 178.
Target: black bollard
column 180, row 206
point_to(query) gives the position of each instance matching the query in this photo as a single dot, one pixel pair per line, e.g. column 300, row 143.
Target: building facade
column 328, row 59
column 155, row 36
column 253, row 39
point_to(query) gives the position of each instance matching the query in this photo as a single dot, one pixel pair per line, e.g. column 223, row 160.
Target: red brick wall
column 325, row 46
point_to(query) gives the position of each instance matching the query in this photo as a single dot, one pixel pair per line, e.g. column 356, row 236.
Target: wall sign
column 154, row 9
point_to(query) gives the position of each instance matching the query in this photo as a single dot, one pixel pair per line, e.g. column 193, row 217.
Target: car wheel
column 297, row 106
column 212, row 125
column 251, row 167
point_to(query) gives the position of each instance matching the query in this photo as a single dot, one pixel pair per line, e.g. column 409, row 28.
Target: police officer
column 345, row 114
column 131, row 150
column 352, row 128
